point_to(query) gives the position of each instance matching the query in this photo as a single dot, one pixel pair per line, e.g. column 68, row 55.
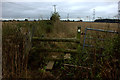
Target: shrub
column 55, row 16
column 26, row 19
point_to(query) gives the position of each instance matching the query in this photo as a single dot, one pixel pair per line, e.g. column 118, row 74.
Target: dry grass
column 13, row 44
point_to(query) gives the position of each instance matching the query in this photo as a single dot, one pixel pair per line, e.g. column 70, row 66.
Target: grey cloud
column 44, row 9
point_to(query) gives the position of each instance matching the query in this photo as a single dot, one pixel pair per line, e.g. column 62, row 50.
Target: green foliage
column 55, row 16
column 26, row 19
column 112, row 48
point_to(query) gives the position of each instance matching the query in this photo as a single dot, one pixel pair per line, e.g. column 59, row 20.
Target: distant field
column 58, row 29
column 111, row 26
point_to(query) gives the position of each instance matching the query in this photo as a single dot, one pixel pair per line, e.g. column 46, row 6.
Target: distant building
column 119, row 9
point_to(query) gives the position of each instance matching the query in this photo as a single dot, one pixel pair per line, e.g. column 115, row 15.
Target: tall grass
column 18, row 64
column 13, row 51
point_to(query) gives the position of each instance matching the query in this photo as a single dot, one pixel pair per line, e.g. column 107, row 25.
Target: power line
column 93, row 14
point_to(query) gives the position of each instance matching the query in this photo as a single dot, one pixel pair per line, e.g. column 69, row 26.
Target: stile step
column 67, row 56
column 50, row 65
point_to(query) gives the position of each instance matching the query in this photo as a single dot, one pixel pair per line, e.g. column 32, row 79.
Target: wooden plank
column 56, row 39
column 55, row 50
column 50, row 65
column 67, row 56
column 78, row 37
column 54, row 58
column 77, row 66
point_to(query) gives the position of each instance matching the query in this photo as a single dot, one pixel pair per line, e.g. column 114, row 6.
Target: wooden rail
column 75, row 40
column 56, row 39
column 56, row 50
column 77, row 66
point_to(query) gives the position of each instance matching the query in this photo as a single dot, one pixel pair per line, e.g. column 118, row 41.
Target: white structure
column 119, row 9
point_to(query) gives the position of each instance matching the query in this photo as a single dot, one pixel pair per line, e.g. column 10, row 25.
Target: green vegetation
column 55, row 16
column 33, row 64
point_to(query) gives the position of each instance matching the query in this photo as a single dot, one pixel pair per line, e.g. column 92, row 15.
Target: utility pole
column 93, row 14
column 41, row 16
column 79, row 18
column 68, row 16
column 54, row 8
column 89, row 18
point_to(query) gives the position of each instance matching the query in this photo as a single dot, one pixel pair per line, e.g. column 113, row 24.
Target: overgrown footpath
column 18, row 64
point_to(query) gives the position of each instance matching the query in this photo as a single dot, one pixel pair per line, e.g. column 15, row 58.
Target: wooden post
column 78, row 32
column 78, row 37
column 79, row 55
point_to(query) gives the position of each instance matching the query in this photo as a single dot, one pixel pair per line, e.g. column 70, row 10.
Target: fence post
column 78, row 37
column 28, row 46
column 78, row 32
column 84, row 38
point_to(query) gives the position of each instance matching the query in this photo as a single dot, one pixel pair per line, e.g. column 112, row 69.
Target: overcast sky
column 76, row 10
